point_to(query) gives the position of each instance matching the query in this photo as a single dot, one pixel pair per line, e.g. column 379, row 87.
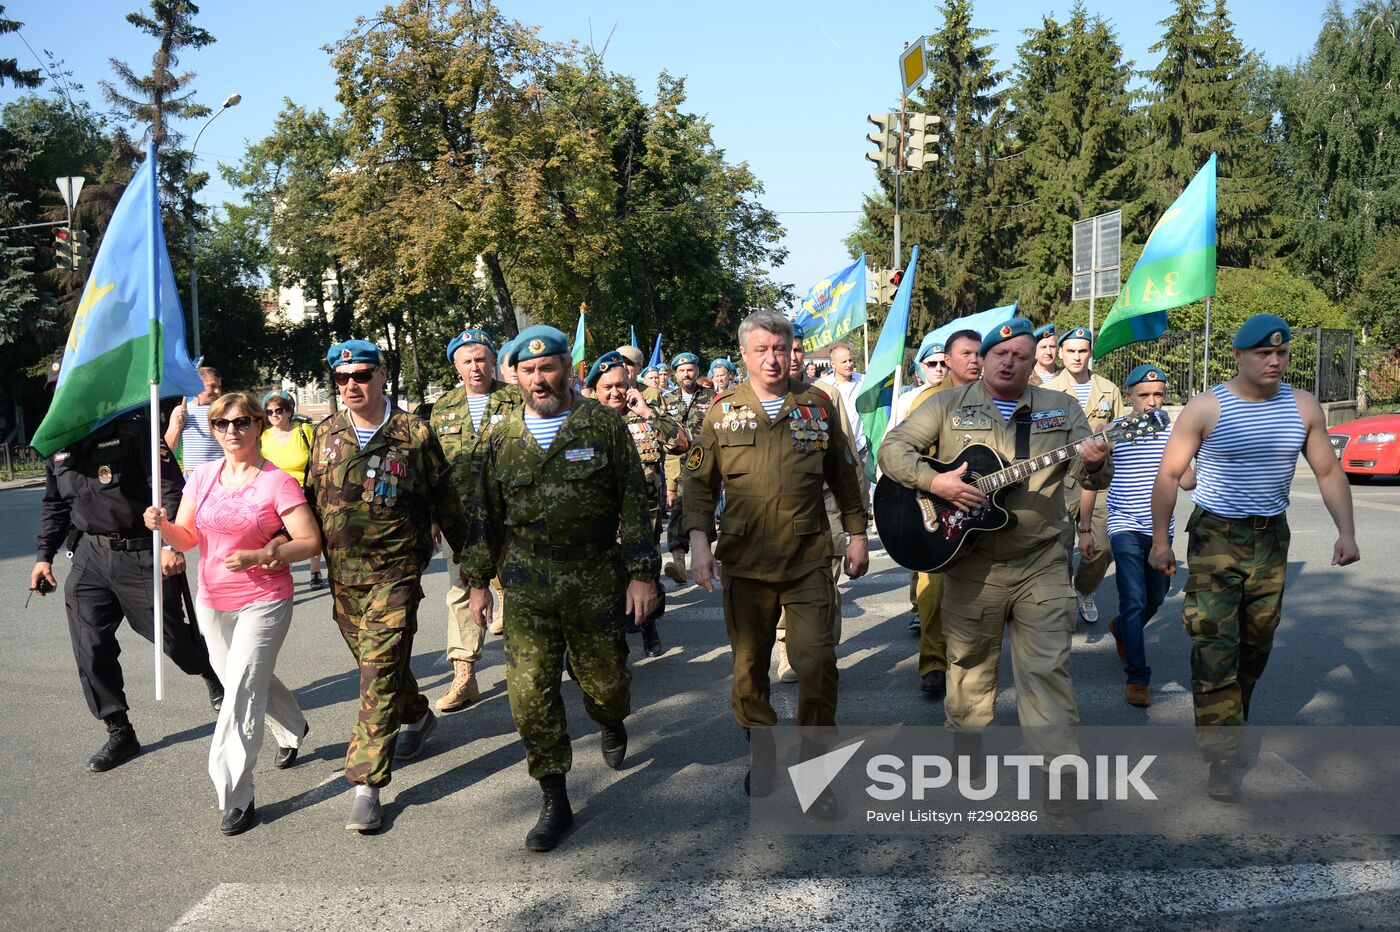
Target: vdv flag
column 129, row 331
column 580, row 348
column 634, row 336
column 656, row 358
column 875, row 399
column 834, row 307
column 981, row 322
column 1177, row 267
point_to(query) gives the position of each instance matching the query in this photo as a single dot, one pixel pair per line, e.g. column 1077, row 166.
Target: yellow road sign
column 912, row 66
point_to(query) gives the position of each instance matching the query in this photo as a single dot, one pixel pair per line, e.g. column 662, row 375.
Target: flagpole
column 1205, row 363
column 153, row 374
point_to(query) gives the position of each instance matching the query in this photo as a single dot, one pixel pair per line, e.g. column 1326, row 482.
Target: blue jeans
column 1141, row 590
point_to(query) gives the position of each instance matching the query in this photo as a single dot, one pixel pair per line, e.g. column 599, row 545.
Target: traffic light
column 882, row 285
column 80, row 250
column 63, row 249
column 886, row 139
column 919, row 151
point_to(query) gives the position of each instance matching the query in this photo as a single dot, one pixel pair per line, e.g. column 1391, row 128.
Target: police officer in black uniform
column 95, row 493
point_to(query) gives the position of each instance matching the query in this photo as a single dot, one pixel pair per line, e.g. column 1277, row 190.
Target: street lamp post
column 231, row 101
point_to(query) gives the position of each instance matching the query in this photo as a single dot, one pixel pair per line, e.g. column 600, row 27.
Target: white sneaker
column 1087, row 609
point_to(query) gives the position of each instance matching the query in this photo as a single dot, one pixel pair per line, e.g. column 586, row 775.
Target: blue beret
column 609, row 360
column 1263, row 330
column 1043, row 331
column 724, row 362
column 1147, row 372
column 539, row 340
column 280, row 393
column 503, row 358
column 353, row 351
column 645, row 372
column 797, row 332
column 682, row 358
column 927, row 348
column 1078, row 333
column 1007, row 330
column 470, row 337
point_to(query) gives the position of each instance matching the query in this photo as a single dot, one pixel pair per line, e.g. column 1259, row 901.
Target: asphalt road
column 666, row 842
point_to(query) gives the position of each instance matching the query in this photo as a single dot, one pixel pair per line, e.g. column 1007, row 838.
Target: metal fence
column 1379, row 380
column 19, row 460
column 1323, row 361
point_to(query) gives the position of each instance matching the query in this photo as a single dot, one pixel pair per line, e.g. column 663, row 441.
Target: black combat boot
column 613, row 740
column 121, row 745
column 555, row 815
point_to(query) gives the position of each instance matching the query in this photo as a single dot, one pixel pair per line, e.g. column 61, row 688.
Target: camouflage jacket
column 653, row 437
column 377, row 506
column 690, row 417
column 588, row 488
column 462, row 444
column 502, row 400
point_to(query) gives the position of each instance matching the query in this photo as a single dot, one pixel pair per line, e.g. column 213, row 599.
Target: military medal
column 104, row 475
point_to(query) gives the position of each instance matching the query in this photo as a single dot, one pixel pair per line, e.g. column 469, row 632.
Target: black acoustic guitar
column 922, row 532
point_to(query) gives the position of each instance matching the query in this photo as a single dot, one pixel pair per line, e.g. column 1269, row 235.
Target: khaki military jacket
column 773, row 471
column 689, row 417
column 463, row 444
column 954, row 419
column 587, row 490
column 377, row 506
column 653, row 437
column 1105, row 406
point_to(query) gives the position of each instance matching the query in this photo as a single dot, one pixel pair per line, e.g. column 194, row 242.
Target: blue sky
column 785, row 84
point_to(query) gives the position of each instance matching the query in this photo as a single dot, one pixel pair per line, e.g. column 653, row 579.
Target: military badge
column 346, row 355
column 1275, row 339
column 1153, row 377
column 537, row 346
column 1006, row 330
column 104, row 475
column 579, row 454
column 696, row 457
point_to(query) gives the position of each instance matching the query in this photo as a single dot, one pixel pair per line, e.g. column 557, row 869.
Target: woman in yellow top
column 287, row 445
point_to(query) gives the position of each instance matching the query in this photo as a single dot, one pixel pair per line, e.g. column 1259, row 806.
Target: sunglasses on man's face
column 939, row 364
column 361, row 376
column 240, row 424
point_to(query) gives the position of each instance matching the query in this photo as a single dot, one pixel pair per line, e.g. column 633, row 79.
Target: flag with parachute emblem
column 834, row 307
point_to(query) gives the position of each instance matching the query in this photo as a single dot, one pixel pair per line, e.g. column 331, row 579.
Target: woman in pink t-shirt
column 250, row 521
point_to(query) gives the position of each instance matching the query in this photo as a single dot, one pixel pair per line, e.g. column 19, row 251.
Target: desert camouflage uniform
column 376, row 508
column 464, row 446
column 551, row 521
column 1232, row 599
column 690, row 417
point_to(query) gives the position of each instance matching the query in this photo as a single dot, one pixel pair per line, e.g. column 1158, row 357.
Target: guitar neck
column 1021, row 470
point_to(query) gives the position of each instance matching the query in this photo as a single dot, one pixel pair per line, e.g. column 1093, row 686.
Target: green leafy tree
column 1340, row 151
column 9, row 67
column 1373, row 305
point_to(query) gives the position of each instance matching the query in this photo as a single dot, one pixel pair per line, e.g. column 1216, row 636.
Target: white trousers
column 243, row 648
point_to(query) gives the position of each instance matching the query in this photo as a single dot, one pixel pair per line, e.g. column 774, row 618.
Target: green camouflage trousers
column 378, row 623
column 1233, row 596
column 550, row 607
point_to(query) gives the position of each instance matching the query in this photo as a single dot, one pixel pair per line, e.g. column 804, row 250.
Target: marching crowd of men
column 551, row 498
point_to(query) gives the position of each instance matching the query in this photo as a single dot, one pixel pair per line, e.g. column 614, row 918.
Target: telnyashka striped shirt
column 1246, row 465
column 1135, row 468
column 1081, row 391
column 198, row 445
column 543, row 429
column 476, row 407
column 1007, row 408
column 771, row 408
column 363, row 435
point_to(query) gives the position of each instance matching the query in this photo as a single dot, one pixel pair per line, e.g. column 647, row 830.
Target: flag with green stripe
column 128, row 332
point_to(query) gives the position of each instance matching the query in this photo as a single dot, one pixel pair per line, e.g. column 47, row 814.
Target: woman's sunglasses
column 240, row 424
column 361, row 376
column 276, row 410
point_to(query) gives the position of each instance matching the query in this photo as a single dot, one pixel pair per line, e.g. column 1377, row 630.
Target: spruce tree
column 1072, row 130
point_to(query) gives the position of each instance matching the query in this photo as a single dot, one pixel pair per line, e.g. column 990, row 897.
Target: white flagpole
column 155, row 541
column 156, row 337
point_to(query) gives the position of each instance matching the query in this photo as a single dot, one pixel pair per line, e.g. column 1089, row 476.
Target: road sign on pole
column 912, row 66
column 70, row 188
column 1097, row 263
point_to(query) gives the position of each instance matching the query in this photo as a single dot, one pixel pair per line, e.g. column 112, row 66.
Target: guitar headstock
column 1136, row 427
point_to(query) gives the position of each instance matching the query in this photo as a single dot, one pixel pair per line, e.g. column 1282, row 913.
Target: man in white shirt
column 846, row 380
column 188, row 430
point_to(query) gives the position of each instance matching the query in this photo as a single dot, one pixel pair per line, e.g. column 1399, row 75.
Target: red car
column 1368, row 446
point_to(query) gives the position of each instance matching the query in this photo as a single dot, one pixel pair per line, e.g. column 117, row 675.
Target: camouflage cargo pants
column 378, row 623
column 576, row 606
column 1233, row 596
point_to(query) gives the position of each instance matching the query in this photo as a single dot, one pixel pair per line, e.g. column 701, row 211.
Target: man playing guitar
column 1018, row 576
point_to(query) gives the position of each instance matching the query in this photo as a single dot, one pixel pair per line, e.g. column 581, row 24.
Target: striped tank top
column 1246, row 465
